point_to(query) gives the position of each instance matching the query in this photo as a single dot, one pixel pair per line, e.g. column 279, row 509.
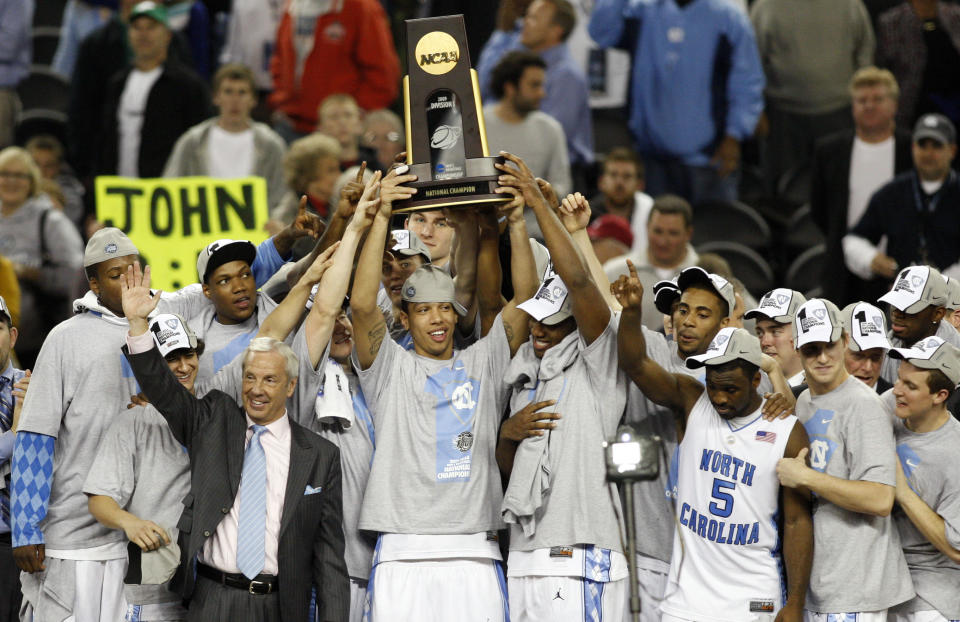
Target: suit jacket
column 829, row 194
column 311, row 543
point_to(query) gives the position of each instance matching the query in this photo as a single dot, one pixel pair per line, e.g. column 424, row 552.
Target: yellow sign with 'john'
column 172, row 220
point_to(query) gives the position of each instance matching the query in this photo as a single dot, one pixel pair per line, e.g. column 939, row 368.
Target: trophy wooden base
column 476, row 187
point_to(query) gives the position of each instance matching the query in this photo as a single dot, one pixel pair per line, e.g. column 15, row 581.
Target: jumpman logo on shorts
column 558, row 595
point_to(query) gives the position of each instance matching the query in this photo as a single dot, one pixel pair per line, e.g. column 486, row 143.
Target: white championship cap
column 818, row 320
column 932, row 353
column 865, row 325
column 917, row 288
column 729, row 344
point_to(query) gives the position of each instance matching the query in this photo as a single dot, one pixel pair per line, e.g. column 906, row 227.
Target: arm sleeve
column 184, row 413
column 266, row 263
column 174, row 166
column 186, row 302
column 385, row 368
column 329, row 567
column 499, row 43
column 559, row 169
column 6, row 445
column 870, row 447
column 113, row 472
column 304, row 399
column 866, row 41
column 377, row 61
column 607, row 21
column 65, row 246
column 857, row 254
column 746, row 81
column 32, row 476
column 14, row 29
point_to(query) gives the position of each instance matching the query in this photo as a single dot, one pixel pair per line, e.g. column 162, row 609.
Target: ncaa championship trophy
column 443, row 117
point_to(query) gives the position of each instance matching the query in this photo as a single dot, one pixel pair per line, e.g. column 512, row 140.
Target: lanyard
column 925, row 212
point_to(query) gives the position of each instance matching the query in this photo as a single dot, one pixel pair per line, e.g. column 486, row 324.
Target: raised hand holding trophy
column 443, row 115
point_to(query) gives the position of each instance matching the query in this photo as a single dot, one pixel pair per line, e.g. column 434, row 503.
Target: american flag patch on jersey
column 766, row 437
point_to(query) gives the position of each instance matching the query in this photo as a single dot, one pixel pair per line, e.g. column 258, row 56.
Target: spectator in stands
column 10, row 289
column 868, row 344
column 546, row 26
column 47, row 151
column 668, row 252
column 232, row 144
column 621, row 186
column 918, row 212
column 341, row 118
column 610, row 237
column 807, row 84
column 11, row 393
column 192, row 20
column 383, row 132
column 44, row 246
column 80, row 18
column 250, row 40
column 311, row 167
column 151, row 103
column 515, row 123
column 919, row 41
column 848, row 167
column 689, row 133
column 348, row 50
column 16, row 17
column 102, row 55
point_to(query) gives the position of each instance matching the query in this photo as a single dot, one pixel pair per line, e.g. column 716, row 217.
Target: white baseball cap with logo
column 865, row 325
column 817, row 321
column 551, row 304
column 932, row 353
column 408, row 244
column 431, row 284
column 953, row 293
column 917, row 288
column 729, row 344
column 221, row 252
column 779, row 305
column 107, row 243
column 171, row 333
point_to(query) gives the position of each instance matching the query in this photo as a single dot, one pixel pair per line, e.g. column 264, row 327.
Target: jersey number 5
column 720, row 488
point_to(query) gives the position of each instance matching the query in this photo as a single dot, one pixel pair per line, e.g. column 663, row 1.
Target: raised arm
column 369, row 327
column 184, row 412
column 589, row 307
column 489, row 274
column 676, row 391
column 464, row 222
column 574, row 212
column 523, row 271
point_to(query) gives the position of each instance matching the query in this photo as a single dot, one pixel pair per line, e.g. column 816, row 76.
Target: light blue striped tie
column 252, row 523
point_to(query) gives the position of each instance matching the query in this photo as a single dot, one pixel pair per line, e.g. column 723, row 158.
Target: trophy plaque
column 443, row 118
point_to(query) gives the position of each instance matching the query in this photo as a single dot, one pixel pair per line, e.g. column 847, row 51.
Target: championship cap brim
column 779, row 305
column 915, row 289
column 817, row 321
column 728, row 345
column 932, row 353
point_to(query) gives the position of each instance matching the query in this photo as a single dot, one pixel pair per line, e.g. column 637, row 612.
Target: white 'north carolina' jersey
column 728, row 566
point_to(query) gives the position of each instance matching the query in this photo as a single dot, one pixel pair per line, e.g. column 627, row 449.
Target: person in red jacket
column 349, row 49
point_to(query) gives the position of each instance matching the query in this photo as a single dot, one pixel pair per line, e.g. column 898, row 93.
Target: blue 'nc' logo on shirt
column 821, row 447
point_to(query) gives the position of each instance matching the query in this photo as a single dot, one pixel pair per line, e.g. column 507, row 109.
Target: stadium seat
column 746, row 263
column 44, row 89
column 45, row 40
column 731, row 222
column 802, row 233
column 40, row 121
column 806, row 272
column 794, row 186
column 48, row 12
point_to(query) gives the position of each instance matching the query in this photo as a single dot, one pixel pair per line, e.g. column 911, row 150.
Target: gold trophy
column 443, row 115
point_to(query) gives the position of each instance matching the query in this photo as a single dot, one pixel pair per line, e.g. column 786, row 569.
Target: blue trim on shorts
column 502, row 582
column 592, row 601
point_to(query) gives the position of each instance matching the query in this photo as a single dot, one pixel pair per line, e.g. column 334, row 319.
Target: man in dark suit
column 848, row 167
column 261, row 526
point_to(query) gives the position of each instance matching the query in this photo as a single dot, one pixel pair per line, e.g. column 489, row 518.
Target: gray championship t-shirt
column 932, row 469
column 356, row 444
column 590, row 394
column 858, row 565
column 436, row 423
column 142, row 467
